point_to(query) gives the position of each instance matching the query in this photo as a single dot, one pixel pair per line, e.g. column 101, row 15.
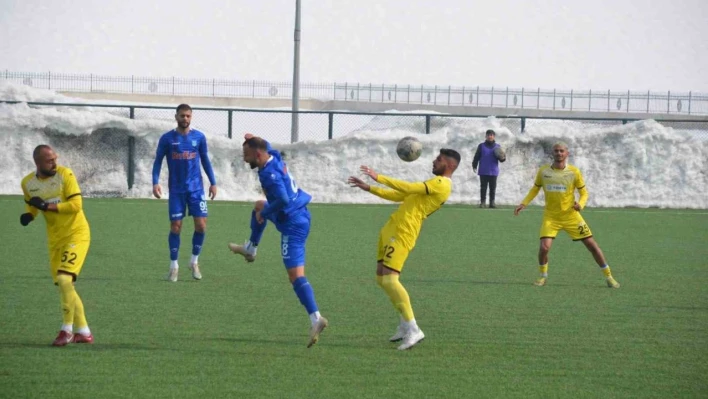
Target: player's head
column 255, row 152
column 446, row 162
column 560, row 151
column 46, row 160
column 183, row 116
column 490, row 135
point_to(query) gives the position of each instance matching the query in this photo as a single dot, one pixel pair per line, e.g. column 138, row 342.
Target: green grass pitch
column 241, row 332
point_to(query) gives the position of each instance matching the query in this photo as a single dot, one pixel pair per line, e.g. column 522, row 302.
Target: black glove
column 38, row 203
column 26, row 218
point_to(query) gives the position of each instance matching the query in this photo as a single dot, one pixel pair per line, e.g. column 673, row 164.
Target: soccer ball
column 409, row 149
column 500, row 154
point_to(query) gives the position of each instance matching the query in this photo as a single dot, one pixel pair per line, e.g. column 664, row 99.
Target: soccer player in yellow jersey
column 398, row 236
column 559, row 182
column 54, row 191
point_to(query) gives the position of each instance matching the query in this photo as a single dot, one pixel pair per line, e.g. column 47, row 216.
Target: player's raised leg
column 249, row 249
column 599, row 257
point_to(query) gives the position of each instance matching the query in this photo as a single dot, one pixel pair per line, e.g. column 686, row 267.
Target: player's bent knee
column 176, row 226
column 259, row 205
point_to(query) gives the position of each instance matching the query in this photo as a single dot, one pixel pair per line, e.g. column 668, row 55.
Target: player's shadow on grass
column 255, row 340
column 95, row 347
column 460, row 281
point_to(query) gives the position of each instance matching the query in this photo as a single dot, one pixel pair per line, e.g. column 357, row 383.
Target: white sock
column 195, row 259
column 314, row 317
column 173, row 264
column 411, row 325
column 67, row 327
column 252, row 249
column 84, row 331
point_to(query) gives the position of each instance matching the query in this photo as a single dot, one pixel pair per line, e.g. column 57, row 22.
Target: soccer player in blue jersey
column 185, row 149
column 286, row 207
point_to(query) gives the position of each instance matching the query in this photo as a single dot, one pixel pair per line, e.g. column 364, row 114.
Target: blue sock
column 197, row 242
column 256, row 229
column 304, row 292
column 173, row 239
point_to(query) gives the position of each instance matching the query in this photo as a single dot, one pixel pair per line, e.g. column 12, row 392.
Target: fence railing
column 681, row 103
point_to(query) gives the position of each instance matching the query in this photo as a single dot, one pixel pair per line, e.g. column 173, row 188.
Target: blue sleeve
column 276, row 191
column 157, row 165
column 206, row 163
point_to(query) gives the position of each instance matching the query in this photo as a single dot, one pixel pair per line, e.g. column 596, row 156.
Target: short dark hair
column 38, row 150
column 256, row 143
column 490, row 131
column 450, row 153
column 183, row 107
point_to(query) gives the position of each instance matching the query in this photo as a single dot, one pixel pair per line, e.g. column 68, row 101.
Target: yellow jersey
column 69, row 223
column 419, row 199
column 559, row 187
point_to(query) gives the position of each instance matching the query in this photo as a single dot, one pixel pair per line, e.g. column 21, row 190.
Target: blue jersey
column 284, row 197
column 184, row 154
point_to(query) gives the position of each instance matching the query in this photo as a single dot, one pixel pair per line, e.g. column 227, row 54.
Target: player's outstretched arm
column 398, row 185
column 385, row 193
column 357, row 182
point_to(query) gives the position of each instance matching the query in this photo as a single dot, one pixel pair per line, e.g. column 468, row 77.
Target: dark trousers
column 492, row 181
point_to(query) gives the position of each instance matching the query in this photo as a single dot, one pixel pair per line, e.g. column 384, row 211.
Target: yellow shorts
column 392, row 251
column 68, row 258
column 574, row 225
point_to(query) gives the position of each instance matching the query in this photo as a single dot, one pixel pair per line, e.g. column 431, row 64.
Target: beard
column 183, row 125
column 48, row 172
column 253, row 165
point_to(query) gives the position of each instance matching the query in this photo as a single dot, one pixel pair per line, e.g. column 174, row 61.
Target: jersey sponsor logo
column 184, row 155
column 556, row 188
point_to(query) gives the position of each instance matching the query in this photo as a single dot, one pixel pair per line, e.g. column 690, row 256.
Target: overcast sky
column 564, row 44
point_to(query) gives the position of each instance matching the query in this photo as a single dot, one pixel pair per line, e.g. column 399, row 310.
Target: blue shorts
column 194, row 201
column 294, row 232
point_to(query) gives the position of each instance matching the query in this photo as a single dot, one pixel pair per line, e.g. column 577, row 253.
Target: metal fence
column 499, row 97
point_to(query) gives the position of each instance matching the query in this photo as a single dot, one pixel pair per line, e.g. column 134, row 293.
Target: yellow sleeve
column 71, row 186
column 388, row 194
column 28, row 209
column 537, row 184
column 73, row 205
column 404, row 186
column 72, row 193
column 580, row 185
